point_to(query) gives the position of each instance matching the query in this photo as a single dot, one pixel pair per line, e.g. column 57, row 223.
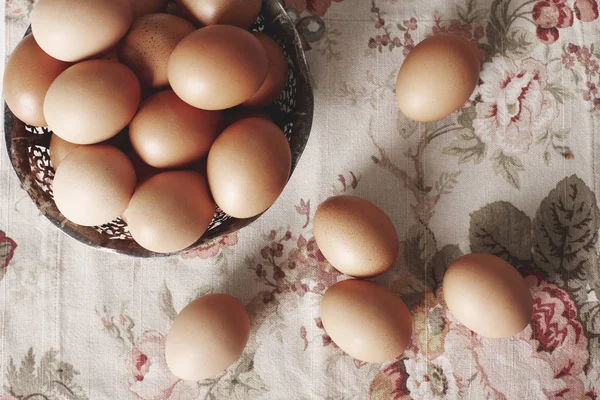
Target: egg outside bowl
column 292, row 112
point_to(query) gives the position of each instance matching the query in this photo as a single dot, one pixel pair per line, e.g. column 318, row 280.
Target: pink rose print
column 586, row 10
column 552, row 14
column 150, row 377
column 555, row 328
column 581, row 58
column 318, row 7
column 7, row 251
column 516, row 109
column 213, row 248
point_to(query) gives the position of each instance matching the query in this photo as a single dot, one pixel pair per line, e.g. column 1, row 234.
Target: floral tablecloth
column 513, row 174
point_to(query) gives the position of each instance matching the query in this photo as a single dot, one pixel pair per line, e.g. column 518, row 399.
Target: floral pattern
column 7, row 251
column 511, row 173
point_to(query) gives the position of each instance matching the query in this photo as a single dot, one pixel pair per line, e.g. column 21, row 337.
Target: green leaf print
column 166, row 302
column 565, row 231
column 503, row 230
column 467, row 147
column 508, row 167
column 52, row 379
column 420, row 249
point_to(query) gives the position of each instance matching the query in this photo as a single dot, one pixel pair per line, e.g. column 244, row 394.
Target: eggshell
column 93, row 184
column 217, row 67
column 207, row 336
column 73, row 33
column 241, row 13
column 28, row 75
column 170, row 211
column 167, row 132
column 437, row 77
column 59, row 149
column 143, row 7
column 366, row 320
column 487, row 295
column 92, row 101
column 248, row 166
column 355, row 236
column 276, row 76
column 148, row 45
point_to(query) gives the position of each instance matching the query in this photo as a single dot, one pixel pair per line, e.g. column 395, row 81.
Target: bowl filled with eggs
column 149, row 128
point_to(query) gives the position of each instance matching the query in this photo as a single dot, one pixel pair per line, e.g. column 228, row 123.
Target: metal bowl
column 293, row 112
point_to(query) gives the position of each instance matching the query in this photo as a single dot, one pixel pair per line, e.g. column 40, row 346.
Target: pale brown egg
column 73, row 33
column 168, row 133
column 437, row 77
column 366, row 320
column 276, row 76
column 170, row 211
column 143, row 7
column 248, row 166
column 59, row 149
column 92, row 101
column 355, row 236
column 217, row 67
column 207, row 336
column 28, row 75
column 93, row 184
column 487, row 295
column 240, row 13
column 148, row 45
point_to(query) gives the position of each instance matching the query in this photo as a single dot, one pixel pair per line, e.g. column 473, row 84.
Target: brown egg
column 73, row 33
column 93, row 184
column 170, row 211
column 240, row 13
column 487, row 295
column 207, row 336
column 59, row 149
column 276, row 76
column 168, row 133
column 437, row 77
column 248, row 167
column 28, row 75
column 355, row 236
column 143, row 7
column 92, row 101
column 366, row 320
column 217, row 67
column 148, row 45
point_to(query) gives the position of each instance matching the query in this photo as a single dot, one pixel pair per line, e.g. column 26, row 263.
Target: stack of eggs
column 191, row 100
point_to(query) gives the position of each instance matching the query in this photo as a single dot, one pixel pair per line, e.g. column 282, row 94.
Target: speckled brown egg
column 276, row 76
column 93, row 184
column 207, row 336
column 217, row 67
column 168, row 133
column 59, row 149
column 148, row 45
column 366, row 320
column 240, row 13
column 143, row 7
column 92, row 101
column 28, row 75
column 170, row 211
column 487, row 295
column 355, row 236
column 437, row 77
column 73, row 33
column 248, row 166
